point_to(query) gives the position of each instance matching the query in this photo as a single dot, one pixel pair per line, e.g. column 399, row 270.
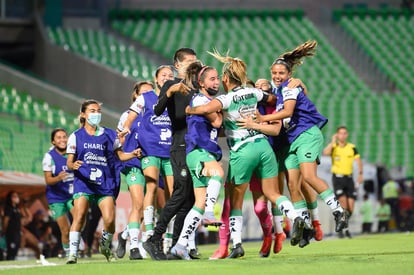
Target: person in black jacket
column 175, row 96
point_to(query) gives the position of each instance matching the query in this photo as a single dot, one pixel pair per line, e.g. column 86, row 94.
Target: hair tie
column 203, row 69
column 283, row 62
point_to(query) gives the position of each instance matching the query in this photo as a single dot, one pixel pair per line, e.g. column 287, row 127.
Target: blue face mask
column 94, row 119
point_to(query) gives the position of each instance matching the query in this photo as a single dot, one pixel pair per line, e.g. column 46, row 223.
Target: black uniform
column 13, row 235
column 182, row 199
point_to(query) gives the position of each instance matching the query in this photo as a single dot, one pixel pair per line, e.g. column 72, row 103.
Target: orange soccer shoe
column 318, row 230
column 221, row 253
column 279, row 238
column 266, row 246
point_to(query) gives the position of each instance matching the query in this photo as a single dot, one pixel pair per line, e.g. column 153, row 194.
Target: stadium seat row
column 259, row 38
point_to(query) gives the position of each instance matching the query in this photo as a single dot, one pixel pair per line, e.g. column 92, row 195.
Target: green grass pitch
column 365, row 254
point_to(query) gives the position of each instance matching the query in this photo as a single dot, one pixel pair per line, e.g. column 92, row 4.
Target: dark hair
column 191, row 75
column 181, row 53
column 294, row 58
column 8, row 201
column 250, row 83
column 55, row 131
column 139, row 84
column 85, row 105
column 341, row 127
column 157, row 71
column 196, row 73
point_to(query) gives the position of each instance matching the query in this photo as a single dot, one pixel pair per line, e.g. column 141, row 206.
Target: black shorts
column 344, row 186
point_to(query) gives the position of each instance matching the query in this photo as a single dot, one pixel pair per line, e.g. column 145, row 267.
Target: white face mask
column 94, row 118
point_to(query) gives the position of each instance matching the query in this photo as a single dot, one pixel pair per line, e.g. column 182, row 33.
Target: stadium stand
column 26, row 123
column 103, row 48
column 386, row 36
column 258, row 38
column 375, row 119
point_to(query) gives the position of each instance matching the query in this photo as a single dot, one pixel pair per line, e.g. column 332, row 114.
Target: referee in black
column 175, row 96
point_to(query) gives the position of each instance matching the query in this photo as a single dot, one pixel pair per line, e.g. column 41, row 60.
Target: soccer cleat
column 348, row 234
column 221, row 253
column 341, row 234
column 72, row 259
column 297, row 231
column 308, row 234
column 88, row 253
column 209, row 219
column 194, row 254
column 318, row 230
column 279, row 238
column 107, row 252
column 134, row 254
column 180, row 252
column 266, row 246
column 236, row 252
column 62, row 254
column 154, row 249
column 120, row 250
column 341, row 220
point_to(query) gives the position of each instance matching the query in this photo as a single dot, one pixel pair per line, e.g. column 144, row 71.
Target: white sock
column 329, row 198
column 125, row 233
column 81, row 244
column 170, row 228
column 191, row 222
column 302, row 211
column 191, row 241
column 286, row 207
column 133, row 233
column 278, row 221
column 74, row 239
column 149, row 220
column 236, row 225
column 106, row 239
column 212, row 192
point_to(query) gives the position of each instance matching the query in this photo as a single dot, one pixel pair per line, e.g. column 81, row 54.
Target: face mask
column 211, row 91
column 94, row 119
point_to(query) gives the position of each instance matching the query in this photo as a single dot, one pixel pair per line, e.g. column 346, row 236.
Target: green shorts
column 92, row 198
column 133, row 175
column 59, row 209
column 307, row 147
column 253, row 157
column 195, row 161
column 163, row 164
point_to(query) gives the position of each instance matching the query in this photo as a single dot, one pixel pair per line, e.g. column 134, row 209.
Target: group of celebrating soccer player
column 168, row 138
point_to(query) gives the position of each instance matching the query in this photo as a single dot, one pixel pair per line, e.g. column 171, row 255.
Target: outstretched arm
column 167, row 91
column 216, row 119
column 211, row 107
column 270, row 129
column 128, row 123
column 124, row 156
column 296, row 82
column 287, row 111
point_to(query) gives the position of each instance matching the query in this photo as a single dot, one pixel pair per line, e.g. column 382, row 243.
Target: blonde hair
column 233, row 67
column 293, row 58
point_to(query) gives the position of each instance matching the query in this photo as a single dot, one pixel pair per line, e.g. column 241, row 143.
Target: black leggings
column 182, row 199
column 13, row 245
